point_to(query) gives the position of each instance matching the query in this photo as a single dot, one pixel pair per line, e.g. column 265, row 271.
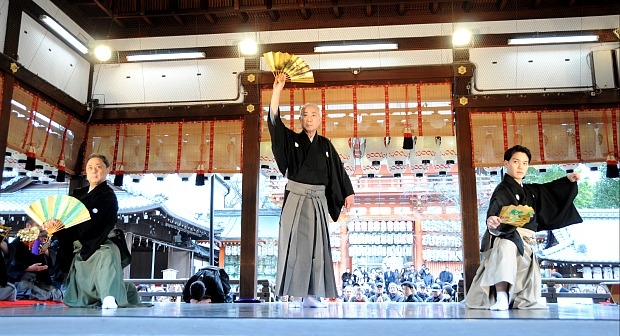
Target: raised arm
column 278, row 86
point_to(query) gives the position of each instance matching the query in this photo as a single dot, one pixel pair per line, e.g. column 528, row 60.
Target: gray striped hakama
column 304, row 252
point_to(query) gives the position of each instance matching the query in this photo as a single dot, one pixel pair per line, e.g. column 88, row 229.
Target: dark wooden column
column 249, row 184
column 467, row 175
column 11, row 44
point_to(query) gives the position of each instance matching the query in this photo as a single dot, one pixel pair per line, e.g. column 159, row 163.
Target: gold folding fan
column 516, row 215
column 4, row 231
column 58, row 212
column 29, row 235
column 294, row 67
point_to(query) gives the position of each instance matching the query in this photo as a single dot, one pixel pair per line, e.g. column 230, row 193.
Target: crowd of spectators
column 403, row 285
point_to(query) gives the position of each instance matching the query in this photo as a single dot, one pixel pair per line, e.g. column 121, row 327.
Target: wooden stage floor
column 339, row 319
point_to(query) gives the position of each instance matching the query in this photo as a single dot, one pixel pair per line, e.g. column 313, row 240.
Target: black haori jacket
column 552, row 203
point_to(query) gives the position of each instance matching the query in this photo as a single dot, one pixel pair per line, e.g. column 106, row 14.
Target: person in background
column 359, row 296
column 347, row 294
column 7, row 289
column 394, row 294
column 509, row 275
column 436, row 294
column 317, row 186
column 558, row 287
column 445, row 276
column 379, row 295
column 28, row 269
column 410, row 292
column 346, row 278
column 425, row 275
column 95, row 276
column 422, row 292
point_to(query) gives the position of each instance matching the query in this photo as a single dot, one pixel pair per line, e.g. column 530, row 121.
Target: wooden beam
column 304, row 13
column 536, row 4
column 211, row 18
column 337, row 12
column 274, row 15
column 549, row 100
column 501, row 5
column 370, row 10
column 434, row 7
column 243, row 16
column 402, row 9
column 109, row 13
column 467, row 5
column 179, row 19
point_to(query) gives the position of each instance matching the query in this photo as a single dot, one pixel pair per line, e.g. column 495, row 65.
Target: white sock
column 312, row 302
column 502, row 302
column 109, row 302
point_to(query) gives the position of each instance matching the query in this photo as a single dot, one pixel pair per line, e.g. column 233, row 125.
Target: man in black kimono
column 509, row 275
column 95, row 275
column 317, row 186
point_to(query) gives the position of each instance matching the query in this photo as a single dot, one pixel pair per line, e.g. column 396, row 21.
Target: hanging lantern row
column 441, row 226
column 441, row 240
column 380, row 250
column 441, row 255
column 381, row 238
column 381, row 225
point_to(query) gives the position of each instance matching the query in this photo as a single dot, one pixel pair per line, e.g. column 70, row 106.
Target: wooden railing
column 552, row 294
column 265, row 293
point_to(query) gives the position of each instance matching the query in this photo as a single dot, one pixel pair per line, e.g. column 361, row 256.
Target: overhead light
column 553, row 39
column 60, row 30
column 165, row 57
column 248, row 47
column 356, row 47
column 461, row 37
column 103, row 53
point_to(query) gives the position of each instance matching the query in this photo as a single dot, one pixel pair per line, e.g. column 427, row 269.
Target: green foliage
column 606, row 193
column 602, row 194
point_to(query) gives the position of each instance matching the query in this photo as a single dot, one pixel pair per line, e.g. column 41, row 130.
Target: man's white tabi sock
column 502, row 302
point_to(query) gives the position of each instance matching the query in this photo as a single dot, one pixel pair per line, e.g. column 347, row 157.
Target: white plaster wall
column 562, row 67
column 153, row 83
column 4, row 11
column 51, row 59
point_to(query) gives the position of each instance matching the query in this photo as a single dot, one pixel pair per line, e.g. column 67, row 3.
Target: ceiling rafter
column 170, row 17
column 501, row 5
column 370, row 10
column 109, row 13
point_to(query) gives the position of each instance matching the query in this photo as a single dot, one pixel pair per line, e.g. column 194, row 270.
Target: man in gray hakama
column 318, row 186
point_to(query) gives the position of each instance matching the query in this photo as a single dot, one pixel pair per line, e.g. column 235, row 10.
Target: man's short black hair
column 517, row 149
column 197, row 290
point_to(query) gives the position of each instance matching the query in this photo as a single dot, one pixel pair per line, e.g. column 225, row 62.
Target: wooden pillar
column 467, row 174
column 249, row 186
column 11, row 44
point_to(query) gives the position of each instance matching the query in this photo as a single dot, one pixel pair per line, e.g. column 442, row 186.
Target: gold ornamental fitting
column 462, row 70
column 250, row 108
column 463, row 100
column 251, row 78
